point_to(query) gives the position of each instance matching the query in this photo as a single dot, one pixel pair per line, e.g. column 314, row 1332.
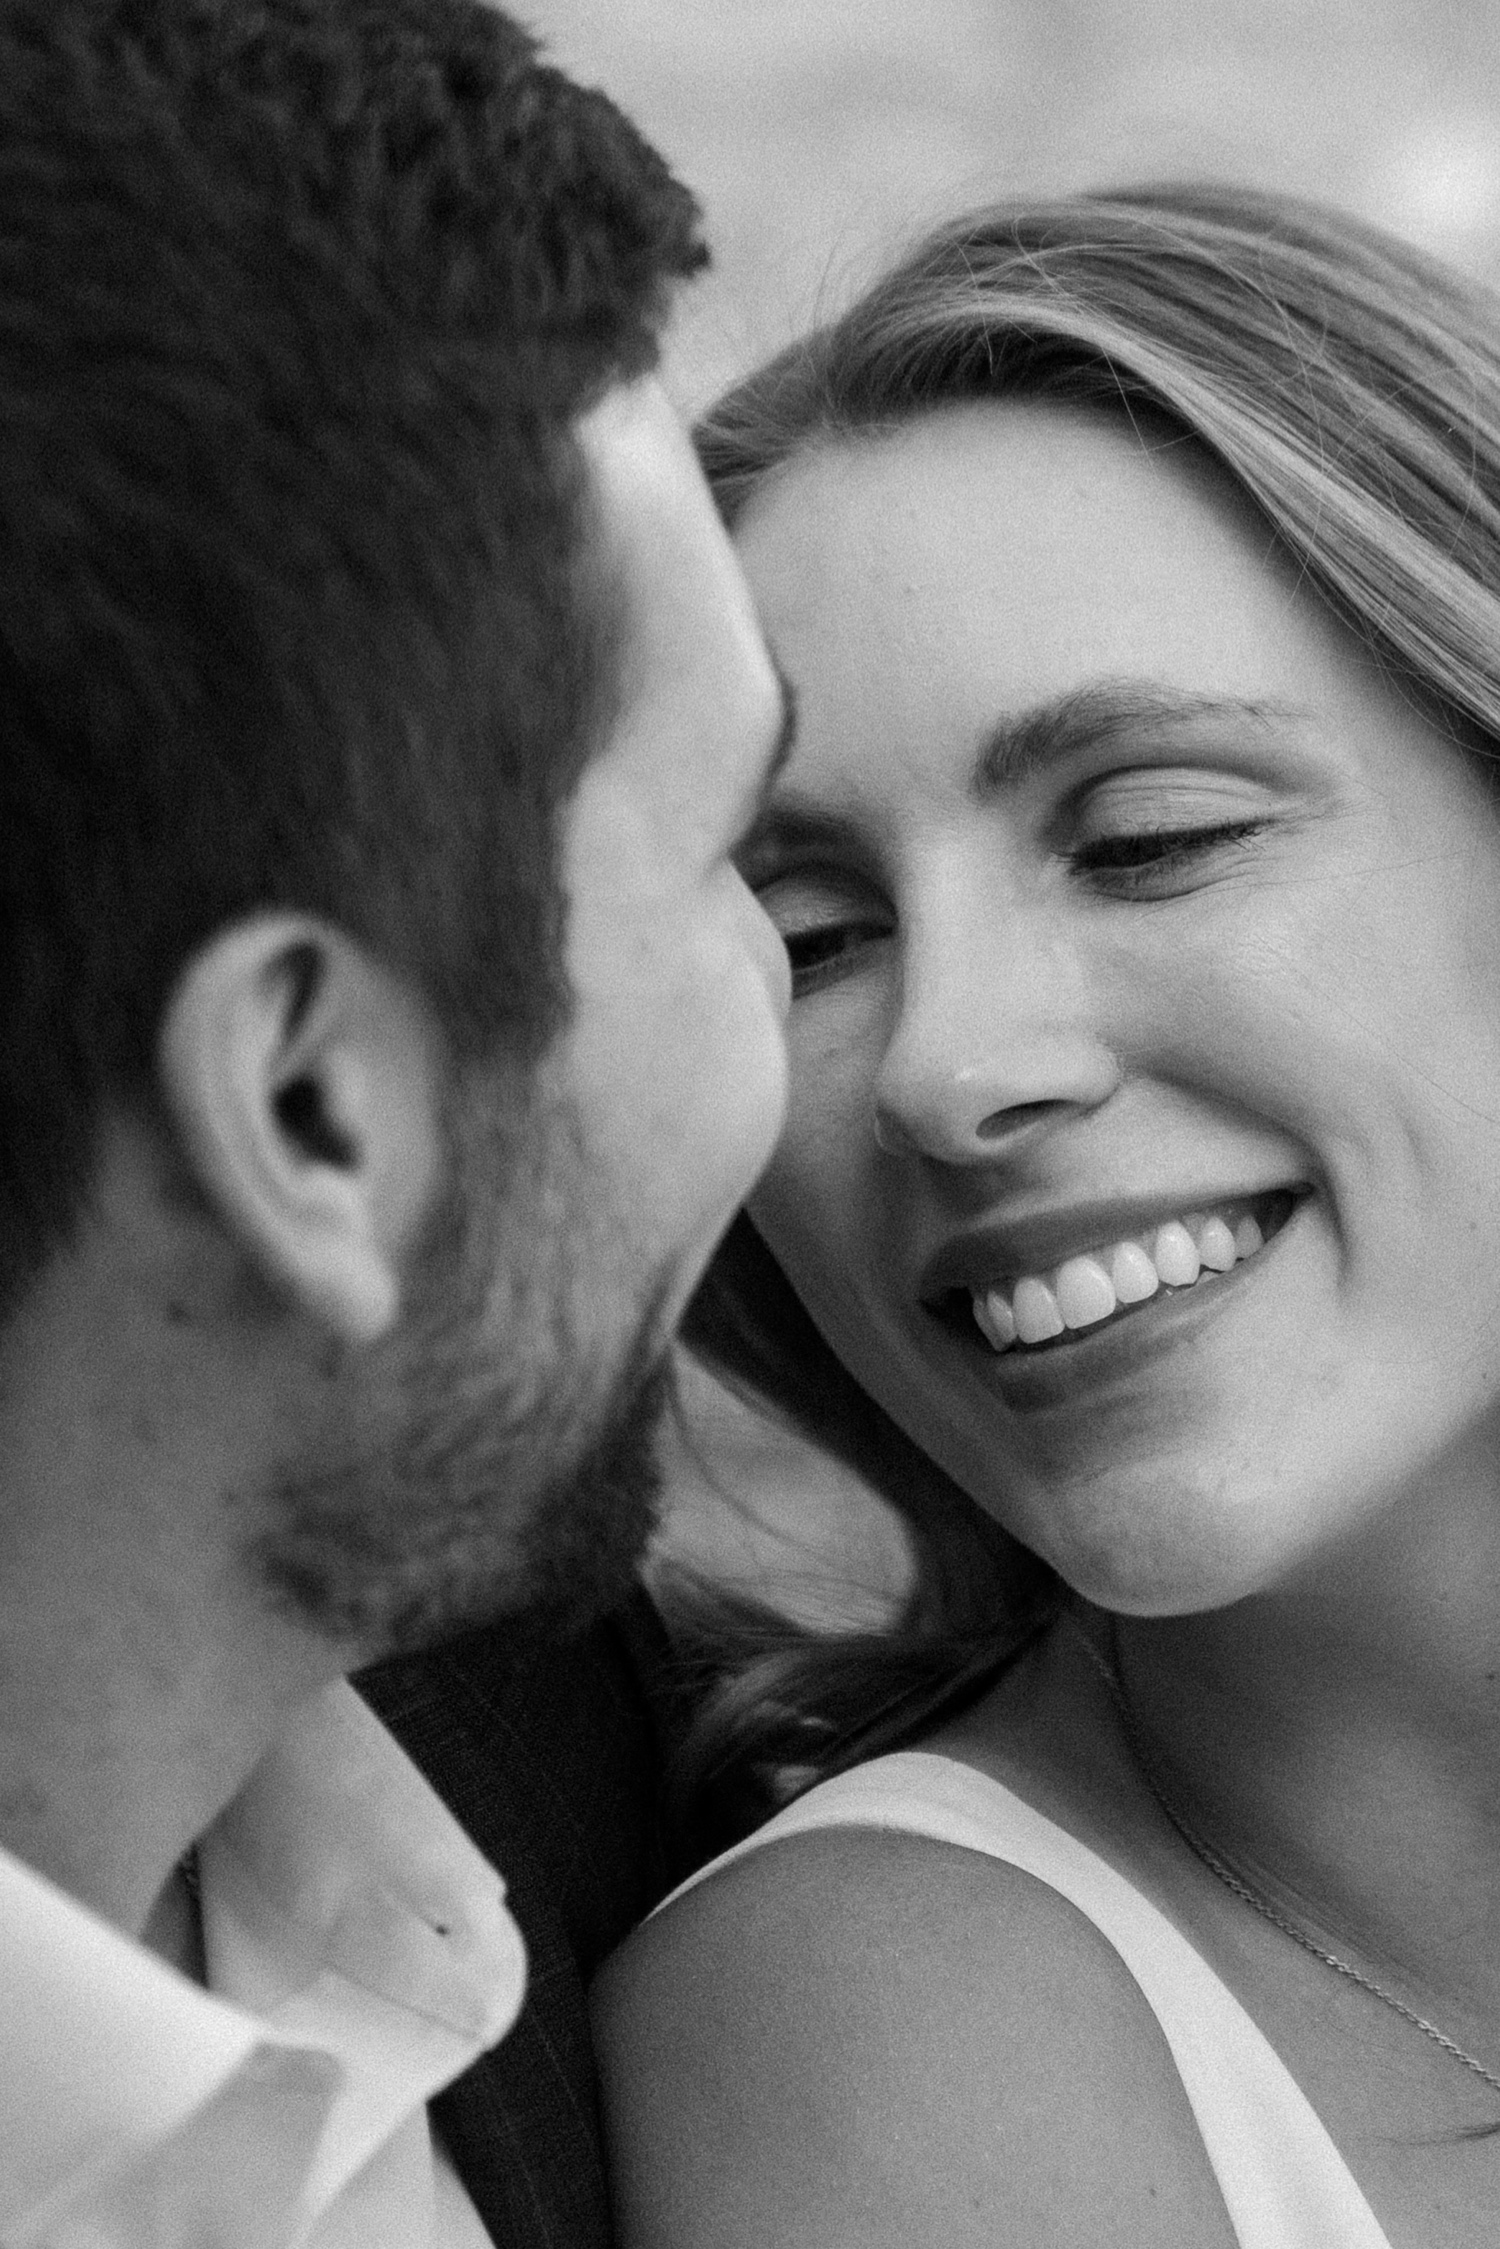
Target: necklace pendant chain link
column 1109, row 1671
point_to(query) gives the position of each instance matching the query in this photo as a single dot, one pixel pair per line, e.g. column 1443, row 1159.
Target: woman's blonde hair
column 1348, row 383
column 1351, row 387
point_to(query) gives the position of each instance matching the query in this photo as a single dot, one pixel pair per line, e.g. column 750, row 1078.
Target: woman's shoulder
column 834, row 1890
column 831, row 1887
column 858, row 2034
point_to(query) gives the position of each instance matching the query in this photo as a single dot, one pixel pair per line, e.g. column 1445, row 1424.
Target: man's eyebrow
column 1106, row 714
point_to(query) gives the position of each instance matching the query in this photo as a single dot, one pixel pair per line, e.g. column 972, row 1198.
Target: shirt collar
column 345, row 1912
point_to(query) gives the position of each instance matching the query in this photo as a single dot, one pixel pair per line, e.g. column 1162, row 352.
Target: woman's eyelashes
column 831, row 921
column 1152, row 832
column 819, row 956
column 1161, row 862
column 827, row 927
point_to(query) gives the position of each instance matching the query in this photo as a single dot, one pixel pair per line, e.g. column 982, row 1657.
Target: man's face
column 495, row 1453
column 674, row 1063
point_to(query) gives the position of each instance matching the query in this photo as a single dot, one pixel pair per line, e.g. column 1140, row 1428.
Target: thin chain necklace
column 1109, row 1671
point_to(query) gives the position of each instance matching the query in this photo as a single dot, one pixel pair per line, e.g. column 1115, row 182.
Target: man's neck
column 108, row 1777
column 142, row 1677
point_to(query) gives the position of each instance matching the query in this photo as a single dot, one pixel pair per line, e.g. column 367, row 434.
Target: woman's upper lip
column 1004, row 1249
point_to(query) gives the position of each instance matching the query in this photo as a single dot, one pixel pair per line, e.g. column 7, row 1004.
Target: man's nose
column 764, row 943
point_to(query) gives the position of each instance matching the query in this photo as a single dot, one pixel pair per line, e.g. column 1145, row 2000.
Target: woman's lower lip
column 1088, row 1357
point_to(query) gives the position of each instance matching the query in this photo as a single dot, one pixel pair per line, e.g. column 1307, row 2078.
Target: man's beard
column 486, row 1460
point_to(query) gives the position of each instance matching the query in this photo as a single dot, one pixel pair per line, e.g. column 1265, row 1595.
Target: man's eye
column 1146, row 861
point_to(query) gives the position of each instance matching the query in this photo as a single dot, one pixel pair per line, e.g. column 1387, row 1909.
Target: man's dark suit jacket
column 554, row 1767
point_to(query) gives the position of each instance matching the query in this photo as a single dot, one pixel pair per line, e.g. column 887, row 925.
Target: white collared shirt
column 359, row 1956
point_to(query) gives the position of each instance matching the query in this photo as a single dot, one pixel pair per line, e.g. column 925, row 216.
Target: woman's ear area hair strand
column 303, row 1079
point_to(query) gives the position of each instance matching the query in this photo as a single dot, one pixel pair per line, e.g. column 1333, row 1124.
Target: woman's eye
column 818, row 954
column 822, row 954
column 826, row 932
column 1146, row 862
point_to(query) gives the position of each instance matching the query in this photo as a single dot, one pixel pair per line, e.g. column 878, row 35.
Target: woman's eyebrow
column 1107, row 714
column 789, row 826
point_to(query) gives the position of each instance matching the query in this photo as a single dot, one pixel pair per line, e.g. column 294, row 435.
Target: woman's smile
column 1146, row 1045
column 1072, row 1364
column 982, row 1280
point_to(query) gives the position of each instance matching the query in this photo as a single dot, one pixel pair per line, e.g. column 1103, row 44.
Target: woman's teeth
column 1082, row 1291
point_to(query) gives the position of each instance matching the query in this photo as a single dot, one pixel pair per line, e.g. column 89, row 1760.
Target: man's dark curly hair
column 299, row 301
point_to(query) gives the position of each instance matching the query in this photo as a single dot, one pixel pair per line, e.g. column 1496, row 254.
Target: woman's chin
column 1163, row 1549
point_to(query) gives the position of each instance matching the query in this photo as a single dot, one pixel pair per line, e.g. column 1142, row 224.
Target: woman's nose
column 981, row 1058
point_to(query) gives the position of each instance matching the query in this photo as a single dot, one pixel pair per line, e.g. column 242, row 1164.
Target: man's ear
column 304, row 1082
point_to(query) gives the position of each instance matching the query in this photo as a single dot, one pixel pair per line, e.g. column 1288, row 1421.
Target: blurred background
column 820, row 135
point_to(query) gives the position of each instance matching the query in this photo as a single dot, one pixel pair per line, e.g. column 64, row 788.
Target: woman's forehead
column 917, row 505
column 1014, row 552
column 995, row 578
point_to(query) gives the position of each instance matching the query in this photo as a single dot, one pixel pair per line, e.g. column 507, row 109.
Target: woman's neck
column 1350, row 1772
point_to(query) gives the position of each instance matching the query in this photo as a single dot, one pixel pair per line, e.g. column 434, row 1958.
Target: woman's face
column 1141, row 928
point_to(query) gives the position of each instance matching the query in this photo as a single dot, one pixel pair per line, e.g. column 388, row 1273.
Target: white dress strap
column 1284, row 2183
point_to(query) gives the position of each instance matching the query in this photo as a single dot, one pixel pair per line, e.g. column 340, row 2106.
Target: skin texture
column 1029, row 1040
column 317, row 1247
column 530, row 1359
column 1012, row 1016
column 675, row 1060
